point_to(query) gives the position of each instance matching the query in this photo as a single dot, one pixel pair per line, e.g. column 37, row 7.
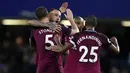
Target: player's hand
column 57, row 39
column 63, row 7
column 69, row 14
column 55, row 48
column 113, row 40
column 55, row 27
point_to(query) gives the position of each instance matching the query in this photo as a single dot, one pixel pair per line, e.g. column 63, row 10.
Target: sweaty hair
column 78, row 18
column 41, row 12
column 91, row 21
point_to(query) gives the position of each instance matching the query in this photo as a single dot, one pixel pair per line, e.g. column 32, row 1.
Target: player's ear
column 49, row 15
column 86, row 24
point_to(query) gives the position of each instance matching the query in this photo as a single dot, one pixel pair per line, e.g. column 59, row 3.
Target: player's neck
column 90, row 28
column 45, row 20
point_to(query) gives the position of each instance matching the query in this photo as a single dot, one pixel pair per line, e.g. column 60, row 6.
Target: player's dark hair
column 41, row 12
column 91, row 21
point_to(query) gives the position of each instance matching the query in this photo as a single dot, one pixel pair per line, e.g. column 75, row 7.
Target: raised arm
column 63, row 7
column 114, row 46
column 69, row 16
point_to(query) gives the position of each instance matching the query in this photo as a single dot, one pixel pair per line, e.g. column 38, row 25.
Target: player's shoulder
column 62, row 25
column 102, row 35
column 77, row 34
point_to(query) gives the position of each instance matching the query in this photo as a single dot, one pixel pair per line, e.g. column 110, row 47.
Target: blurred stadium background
column 16, row 56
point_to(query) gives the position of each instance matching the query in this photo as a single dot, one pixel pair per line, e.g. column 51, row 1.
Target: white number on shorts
column 92, row 53
column 48, row 41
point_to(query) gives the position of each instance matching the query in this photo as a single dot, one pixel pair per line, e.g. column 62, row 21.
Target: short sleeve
column 72, row 40
column 106, row 41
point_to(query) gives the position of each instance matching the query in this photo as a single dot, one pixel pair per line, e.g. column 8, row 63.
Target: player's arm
column 37, row 23
column 50, row 25
column 61, row 49
column 74, row 28
column 114, row 46
column 67, row 52
column 63, row 7
column 69, row 16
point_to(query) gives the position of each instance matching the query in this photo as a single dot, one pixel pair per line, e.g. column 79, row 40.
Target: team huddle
column 81, row 42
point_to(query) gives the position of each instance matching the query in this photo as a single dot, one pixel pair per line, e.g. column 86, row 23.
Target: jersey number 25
column 92, row 53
